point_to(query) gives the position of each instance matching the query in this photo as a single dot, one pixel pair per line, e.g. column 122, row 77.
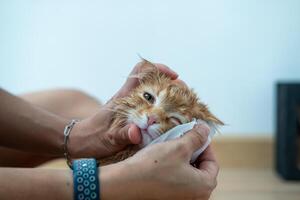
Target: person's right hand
column 163, row 171
column 92, row 137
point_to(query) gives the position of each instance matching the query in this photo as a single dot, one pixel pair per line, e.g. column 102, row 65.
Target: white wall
column 231, row 52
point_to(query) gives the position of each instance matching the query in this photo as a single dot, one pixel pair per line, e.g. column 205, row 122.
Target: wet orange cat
column 155, row 106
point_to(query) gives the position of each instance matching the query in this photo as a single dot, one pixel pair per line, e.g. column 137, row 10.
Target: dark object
column 288, row 131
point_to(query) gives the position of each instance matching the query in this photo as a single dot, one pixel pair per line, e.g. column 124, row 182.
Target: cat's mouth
column 148, row 136
column 150, row 131
column 145, row 131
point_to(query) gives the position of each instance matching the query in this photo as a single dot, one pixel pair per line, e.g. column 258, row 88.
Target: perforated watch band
column 86, row 181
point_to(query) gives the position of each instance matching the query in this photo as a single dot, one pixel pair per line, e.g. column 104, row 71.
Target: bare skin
column 63, row 102
column 163, row 168
column 63, row 105
column 35, row 125
column 70, row 104
column 67, row 103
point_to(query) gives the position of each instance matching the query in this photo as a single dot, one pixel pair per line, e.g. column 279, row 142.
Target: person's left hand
column 92, row 138
column 163, row 171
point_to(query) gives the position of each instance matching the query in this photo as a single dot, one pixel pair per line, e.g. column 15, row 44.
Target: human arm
column 98, row 141
column 26, row 127
column 160, row 171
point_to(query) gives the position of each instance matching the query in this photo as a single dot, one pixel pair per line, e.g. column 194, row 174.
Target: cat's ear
column 205, row 114
column 148, row 72
column 147, row 65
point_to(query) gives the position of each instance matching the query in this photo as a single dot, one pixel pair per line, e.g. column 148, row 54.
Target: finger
column 129, row 134
column 208, row 166
column 134, row 134
column 207, row 155
column 207, row 162
column 195, row 138
column 179, row 82
column 209, row 171
column 131, row 83
column 166, row 70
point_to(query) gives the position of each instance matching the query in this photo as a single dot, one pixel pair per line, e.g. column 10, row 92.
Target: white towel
column 180, row 130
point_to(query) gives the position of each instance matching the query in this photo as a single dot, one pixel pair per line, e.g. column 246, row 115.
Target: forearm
column 38, row 183
column 20, row 183
column 120, row 181
column 29, row 128
column 16, row 158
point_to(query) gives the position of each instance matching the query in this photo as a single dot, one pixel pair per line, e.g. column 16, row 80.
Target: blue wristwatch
column 85, row 177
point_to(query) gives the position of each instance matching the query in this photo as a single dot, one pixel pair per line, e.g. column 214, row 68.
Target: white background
column 232, row 52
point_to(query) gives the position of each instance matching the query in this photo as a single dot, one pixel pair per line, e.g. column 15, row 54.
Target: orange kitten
column 155, row 106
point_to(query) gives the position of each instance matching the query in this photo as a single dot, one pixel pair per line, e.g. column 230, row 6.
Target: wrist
column 58, row 124
column 86, row 140
column 78, row 138
column 118, row 182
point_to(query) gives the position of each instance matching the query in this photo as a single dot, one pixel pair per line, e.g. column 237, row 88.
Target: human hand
column 132, row 82
column 163, row 171
column 93, row 137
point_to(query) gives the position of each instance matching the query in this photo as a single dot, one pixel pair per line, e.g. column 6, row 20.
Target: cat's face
column 158, row 104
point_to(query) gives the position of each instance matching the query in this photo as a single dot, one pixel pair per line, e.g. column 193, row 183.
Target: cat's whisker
column 123, row 123
column 218, row 130
column 139, row 121
column 216, row 127
column 136, row 116
column 138, row 76
column 157, row 131
column 109, row 109
column 124, row 112
column 135, row 76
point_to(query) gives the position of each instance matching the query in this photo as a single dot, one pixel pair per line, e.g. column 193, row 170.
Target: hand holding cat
column 133, row 82
column 164, row 171
column 90, row 137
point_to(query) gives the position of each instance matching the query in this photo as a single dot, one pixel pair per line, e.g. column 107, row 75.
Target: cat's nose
column 151, row 120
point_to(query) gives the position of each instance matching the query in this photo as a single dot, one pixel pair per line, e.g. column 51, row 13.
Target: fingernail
column 130, row 129
column 173, row 71
column 130, row 135
column 134, row 138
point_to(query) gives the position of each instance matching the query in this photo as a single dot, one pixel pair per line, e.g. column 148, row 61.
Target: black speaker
column 288, row 131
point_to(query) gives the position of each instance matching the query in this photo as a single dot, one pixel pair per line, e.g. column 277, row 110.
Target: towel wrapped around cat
column 179, row 131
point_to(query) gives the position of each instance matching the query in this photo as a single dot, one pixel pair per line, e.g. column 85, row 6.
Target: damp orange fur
column 155, row 106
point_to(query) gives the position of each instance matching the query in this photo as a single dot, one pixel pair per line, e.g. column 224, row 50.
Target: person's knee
column 78, row 103
column 74, row 94
column 78, row 96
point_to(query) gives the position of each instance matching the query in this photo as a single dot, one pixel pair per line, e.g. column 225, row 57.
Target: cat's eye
column 148, row 97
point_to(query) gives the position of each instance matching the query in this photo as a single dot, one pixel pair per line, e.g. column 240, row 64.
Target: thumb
column 195, row 138
column 129, row 134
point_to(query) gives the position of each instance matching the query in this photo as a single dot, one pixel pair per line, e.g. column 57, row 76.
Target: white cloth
column 180, row 130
